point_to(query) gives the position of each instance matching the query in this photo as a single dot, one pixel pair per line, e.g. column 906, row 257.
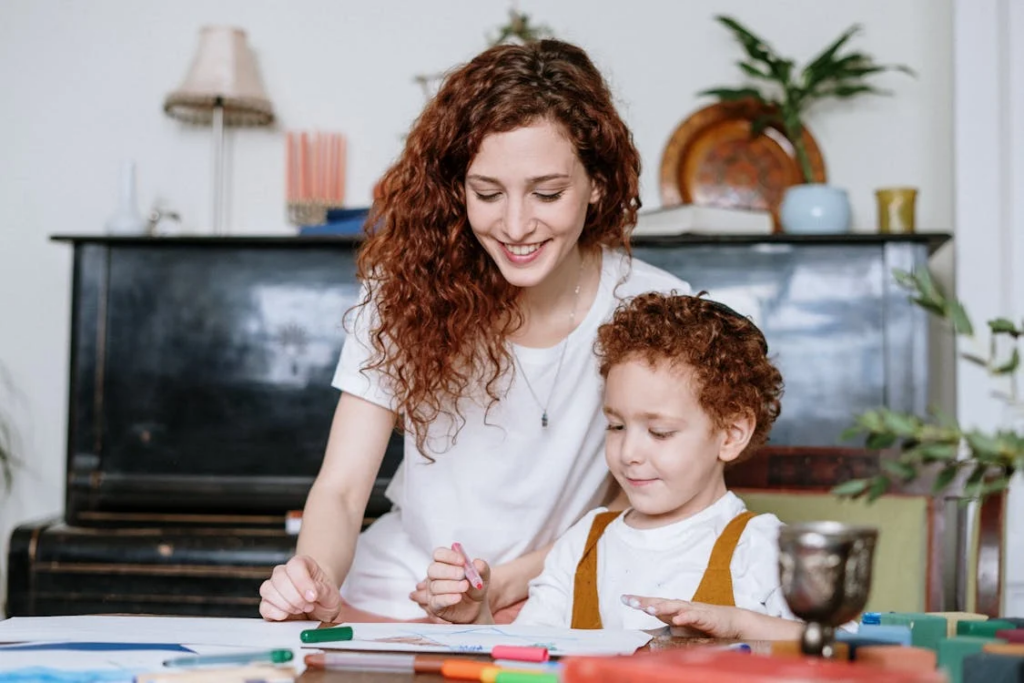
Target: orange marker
column 471, row 573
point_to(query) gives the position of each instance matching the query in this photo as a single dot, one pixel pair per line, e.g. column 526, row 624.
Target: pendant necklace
column 561, row 356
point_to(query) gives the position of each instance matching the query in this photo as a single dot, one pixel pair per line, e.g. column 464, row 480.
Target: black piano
column 200, row 398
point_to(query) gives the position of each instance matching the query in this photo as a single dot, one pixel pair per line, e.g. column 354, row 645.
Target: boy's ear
column 737, row 436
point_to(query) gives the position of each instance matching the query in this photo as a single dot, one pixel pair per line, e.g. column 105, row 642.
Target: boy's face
column 661, row 446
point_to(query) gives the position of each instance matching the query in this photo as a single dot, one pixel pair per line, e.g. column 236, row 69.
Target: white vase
column 127, row 219
column 815, row 209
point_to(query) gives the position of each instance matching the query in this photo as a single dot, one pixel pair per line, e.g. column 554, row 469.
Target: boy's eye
column 487, row 197
column 614, row 427
column 549, row 197
column 660, row 435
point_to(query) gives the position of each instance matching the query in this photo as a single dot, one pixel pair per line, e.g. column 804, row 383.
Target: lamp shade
column 223, row 72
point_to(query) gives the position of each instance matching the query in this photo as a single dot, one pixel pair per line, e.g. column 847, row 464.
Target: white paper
column 560, row 642
column 204, row 635
column 255, row 634
column 138, row 661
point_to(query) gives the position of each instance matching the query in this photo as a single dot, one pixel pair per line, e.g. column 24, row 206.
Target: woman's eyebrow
column 530, row 181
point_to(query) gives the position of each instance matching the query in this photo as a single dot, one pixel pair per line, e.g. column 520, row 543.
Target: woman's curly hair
column 726, row 352
column 445, row 311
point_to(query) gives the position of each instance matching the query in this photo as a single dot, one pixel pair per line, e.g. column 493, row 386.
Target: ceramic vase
column 815, row 209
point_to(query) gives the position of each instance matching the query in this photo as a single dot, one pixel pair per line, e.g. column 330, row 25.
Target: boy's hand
column 691, row 618
column 448, row 596
column 299, row 589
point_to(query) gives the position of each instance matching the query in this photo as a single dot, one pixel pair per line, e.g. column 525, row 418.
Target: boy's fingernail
column 625, row 599
column 651, row 609
column 311, row 595
column 633, row 602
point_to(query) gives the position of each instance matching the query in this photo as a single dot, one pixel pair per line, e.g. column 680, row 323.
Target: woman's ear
column 737, row 433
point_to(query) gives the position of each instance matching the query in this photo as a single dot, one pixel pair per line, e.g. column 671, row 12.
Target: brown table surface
column 659, row 642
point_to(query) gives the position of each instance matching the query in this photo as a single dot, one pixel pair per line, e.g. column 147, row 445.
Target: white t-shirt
column 507, row 486
column 667, row 562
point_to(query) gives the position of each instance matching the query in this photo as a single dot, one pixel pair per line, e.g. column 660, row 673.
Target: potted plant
column 935, row 446
column 787, row 94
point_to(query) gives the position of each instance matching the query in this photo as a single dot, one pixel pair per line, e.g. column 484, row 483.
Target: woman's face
column 526, row 197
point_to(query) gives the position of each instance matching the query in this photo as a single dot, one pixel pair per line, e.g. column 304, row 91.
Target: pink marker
column 471, row 573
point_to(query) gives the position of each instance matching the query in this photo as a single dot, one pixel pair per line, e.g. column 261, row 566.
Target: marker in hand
column 472, row 575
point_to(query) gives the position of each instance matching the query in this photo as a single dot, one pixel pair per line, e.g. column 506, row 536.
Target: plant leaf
column 1010, row 366
column 843, row 92
column 1004, row 326
column 945, row 478
column 760, row 122
column 733, row 94
column 961, row 321
column 819, row 63
column 901, row 470
column 752, row 71
column 877, row 441
column 851, row 488
column 755, row 46
column 879, row 485
column 984, row 447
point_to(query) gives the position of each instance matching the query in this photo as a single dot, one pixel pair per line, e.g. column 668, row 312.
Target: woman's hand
column 497, row 593
column 299, row 589
column 447, row 595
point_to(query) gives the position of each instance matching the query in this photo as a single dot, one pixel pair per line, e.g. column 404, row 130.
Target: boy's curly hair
column 445, row 310
column 726, row 352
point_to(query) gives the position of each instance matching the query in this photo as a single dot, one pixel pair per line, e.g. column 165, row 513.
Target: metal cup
column 825, row 571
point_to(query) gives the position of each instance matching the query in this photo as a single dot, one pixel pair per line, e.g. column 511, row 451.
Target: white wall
column 989, row 146
column 82, row 84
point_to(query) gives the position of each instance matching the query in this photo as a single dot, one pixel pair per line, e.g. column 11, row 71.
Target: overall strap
column 716, row 585
column 586, row 612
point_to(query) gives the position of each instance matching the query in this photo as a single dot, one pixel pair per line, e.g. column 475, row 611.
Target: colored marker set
column 511, row 664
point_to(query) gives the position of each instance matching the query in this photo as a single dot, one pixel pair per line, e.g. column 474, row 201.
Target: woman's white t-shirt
column 507, row 485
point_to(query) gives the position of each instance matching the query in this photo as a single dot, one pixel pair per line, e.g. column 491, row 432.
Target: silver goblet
column 825, row 571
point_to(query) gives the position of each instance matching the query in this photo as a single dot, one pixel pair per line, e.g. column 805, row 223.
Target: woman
column 501, row 245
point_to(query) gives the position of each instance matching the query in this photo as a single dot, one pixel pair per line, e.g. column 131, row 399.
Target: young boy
column 688, row 389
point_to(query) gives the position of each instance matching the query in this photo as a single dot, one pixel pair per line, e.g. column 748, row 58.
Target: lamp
column 222, row 88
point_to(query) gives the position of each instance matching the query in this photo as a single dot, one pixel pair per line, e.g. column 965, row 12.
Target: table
column 658, row 643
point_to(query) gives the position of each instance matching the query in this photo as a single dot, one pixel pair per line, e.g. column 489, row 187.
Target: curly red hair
column 445, row 311
column 726, row 352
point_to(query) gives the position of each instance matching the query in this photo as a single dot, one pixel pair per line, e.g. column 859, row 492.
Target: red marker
column 520, row 653
column 471, row 573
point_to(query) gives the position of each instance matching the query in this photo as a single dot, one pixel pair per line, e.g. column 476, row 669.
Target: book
column 707, row 220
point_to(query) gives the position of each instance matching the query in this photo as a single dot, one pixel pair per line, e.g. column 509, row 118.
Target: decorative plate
column 711, row 160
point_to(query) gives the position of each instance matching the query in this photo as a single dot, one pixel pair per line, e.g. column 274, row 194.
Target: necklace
column 561, row 356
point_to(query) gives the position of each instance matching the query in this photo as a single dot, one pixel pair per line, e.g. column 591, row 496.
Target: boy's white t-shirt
column 667, row 562
column 507, row 485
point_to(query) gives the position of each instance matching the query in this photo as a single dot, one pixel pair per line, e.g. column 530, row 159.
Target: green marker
column 273, row 656
column 326, row 635
column 525, row 677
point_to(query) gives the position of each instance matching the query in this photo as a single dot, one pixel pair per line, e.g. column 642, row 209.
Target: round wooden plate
column 711, row 160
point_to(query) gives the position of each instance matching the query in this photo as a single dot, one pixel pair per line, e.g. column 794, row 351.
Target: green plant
column 520, row 30
column 936, row 445
column 788, row 94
